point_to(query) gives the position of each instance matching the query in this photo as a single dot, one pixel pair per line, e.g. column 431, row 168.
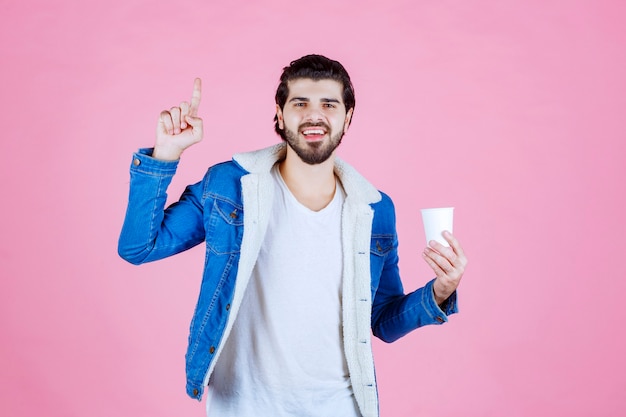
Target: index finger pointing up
column 195, row 97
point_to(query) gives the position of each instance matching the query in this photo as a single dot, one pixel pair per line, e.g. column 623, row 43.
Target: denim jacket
column 229, row 210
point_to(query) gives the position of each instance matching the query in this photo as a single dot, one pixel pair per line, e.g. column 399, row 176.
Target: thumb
column 193, row 121
column 196, row 125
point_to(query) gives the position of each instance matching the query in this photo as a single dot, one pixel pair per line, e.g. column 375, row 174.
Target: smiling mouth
column 314, row 132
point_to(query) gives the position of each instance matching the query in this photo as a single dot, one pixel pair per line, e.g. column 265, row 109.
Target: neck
column 312, row 185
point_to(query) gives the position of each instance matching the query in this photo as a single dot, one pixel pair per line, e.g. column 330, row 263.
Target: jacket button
column 136, row 162
column 439, row 319
column 212, row 349
column 195, row 392
column 227, row 307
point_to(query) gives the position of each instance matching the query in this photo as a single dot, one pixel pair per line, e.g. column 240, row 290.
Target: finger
column 435, row 267
column 196, row 125
column 454, row 243
column 195, row 97
column 445, row 251
column 184, row 111
column 456, row 247
column 165, row 121
column 175, row 113
column 441, row 261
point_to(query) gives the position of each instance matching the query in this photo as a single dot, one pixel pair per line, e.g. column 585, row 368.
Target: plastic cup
column 436, row 220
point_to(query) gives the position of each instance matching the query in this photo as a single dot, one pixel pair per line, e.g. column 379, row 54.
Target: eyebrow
column 324, row 100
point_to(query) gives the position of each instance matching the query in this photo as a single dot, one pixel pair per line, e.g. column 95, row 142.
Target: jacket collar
column 357, row 188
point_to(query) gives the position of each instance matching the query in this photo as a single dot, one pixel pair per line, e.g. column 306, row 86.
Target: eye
column 329, row 105
column 299, row 104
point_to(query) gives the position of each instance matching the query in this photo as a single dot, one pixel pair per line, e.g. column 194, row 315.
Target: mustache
column 311, row 124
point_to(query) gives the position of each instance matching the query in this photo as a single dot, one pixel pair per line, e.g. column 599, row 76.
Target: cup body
column 436, row 220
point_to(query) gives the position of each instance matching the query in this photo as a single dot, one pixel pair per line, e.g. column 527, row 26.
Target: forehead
column 315, row 89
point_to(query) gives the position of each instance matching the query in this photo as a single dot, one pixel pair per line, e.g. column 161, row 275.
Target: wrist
column 166, row 154
column 439, row 295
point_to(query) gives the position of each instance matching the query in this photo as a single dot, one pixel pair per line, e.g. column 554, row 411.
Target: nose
column 314, row 114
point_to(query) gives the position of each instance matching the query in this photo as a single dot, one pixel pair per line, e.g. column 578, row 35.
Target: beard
column 313, row 153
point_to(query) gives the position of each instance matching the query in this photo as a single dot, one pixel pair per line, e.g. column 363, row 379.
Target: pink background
column 512, row 111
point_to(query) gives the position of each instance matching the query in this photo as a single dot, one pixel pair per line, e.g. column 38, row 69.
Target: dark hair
column 315, row 67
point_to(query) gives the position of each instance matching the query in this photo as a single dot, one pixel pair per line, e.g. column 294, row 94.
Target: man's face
column 314, row 118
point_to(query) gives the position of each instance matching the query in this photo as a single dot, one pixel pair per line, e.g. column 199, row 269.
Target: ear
column 348, row 119
column 279, row 116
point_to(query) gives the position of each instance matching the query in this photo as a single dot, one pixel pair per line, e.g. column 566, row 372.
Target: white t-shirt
column 284, row 356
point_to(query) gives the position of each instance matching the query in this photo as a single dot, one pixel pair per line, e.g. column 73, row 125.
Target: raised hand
column 179, row 127
column 448, row 263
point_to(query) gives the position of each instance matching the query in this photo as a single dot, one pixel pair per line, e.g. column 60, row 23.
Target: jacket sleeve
column 394, row 314
column 149, row 232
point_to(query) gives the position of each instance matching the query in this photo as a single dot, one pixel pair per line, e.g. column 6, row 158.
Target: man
column 301, row 257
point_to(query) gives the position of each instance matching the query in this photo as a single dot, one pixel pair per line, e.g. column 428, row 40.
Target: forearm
column 149, row 231
column 399, row 315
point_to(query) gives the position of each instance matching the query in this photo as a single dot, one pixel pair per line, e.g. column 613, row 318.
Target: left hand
column 448, row 263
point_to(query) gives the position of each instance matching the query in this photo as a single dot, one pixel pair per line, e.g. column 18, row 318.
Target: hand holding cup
column 444, row 253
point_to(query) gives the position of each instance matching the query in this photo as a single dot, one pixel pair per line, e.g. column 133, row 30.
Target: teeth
column 314, row 132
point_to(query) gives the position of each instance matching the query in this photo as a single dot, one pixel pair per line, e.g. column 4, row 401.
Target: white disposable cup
column 436, row 220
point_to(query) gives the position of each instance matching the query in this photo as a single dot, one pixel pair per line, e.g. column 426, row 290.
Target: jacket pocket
column 224, row 227
column 380, row 246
